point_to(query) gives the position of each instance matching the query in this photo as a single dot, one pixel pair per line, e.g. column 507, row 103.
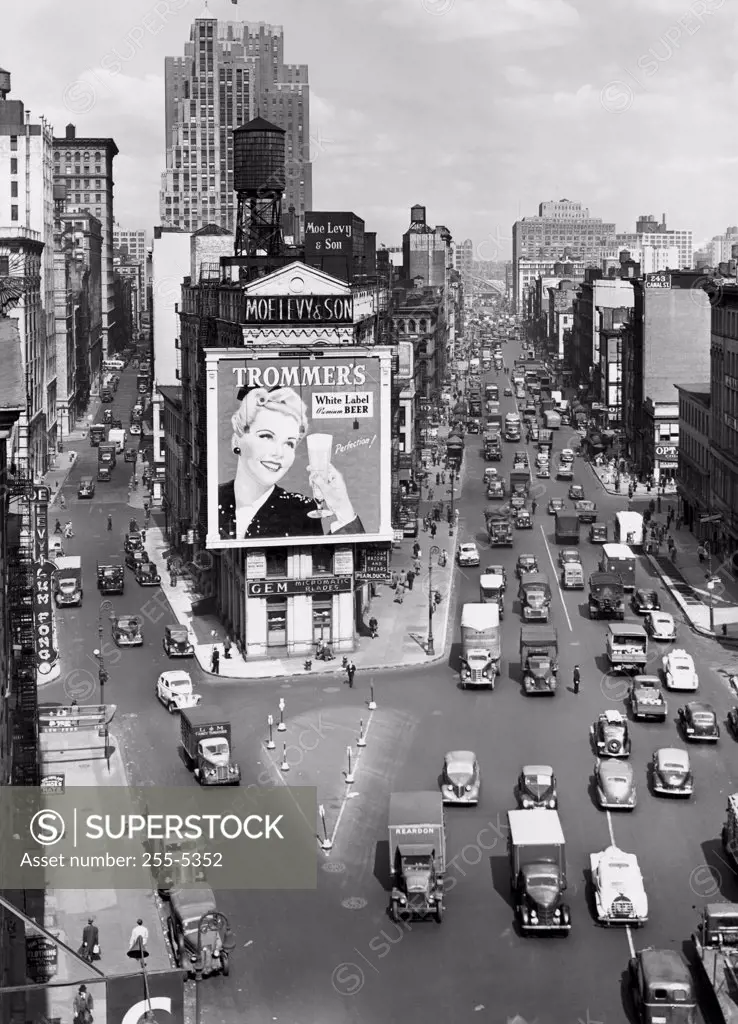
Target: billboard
column 332, row 234
column 298, row 446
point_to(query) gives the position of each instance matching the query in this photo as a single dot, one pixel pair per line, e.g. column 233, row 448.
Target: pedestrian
column 679, row 522
column 62, row 502
column 351, row 672
column 410, row 579
column 82, row 1006
column 90, row 948
column 701, row 554
column 658, row 503
column 416, row 550
column 227, row 644
column 417, row 566
column 400, row 594
column 431, row 492
column 425, row 525
column 443, row 478
column 438, row 479
column 394, row 580
column 139, row 939
column 534, row 506
column 373, row 628
column 652, row 506
column 433, row 529
column 110, row 523
column 576, row 678
column 58, row 527
column 215, row 662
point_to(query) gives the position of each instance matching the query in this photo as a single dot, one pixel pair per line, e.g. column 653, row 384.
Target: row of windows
column 697, row 451
column 694, row 416
column 725, row 324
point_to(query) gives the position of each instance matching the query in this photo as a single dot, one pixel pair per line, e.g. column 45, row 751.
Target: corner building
column 278, row 597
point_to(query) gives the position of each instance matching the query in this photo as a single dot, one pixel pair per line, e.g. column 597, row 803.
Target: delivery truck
column 499, row 529
column 716, row 947
column 68, row 581
column 537, row 855
column 512, row 426
column 629, row 529
column 206, row 746
column 417, row 852
column 118, row 438
column 480, row 645
column 111, row 576
column 534, row 595
column 106, row 454
column 619, row 559
column 539, row 649
column 492, row 446
column 566, row 530
column 627, row 647
column 552, row 419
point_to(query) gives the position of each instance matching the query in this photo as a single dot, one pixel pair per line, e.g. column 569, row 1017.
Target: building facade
column 84, row 167
column 82, row 239
column 230, row 72
column 426, row 251
column 723, row 372
column 666, row 343
column 693, row 470
column 131, row 243
column 562, row 230
column 652, row 234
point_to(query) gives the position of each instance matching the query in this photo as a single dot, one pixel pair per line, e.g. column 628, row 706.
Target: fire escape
column 20, row 627
column 207, row 312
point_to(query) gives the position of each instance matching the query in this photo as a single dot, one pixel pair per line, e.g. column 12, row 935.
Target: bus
column 492, row 393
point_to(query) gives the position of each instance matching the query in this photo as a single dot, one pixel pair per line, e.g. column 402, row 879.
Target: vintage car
column 498, row 570
column 56, row 548
column 543, row 472
column 135, row 428
column 136, row 558
column 680, row 671
column 567, row 455
column 523, row 519
column 543, row 458
column 555, row 506
column 525, row 564
column 103, row 473
column 534, row 432
column 520, row 460
column 489, row 473
column 586, row 510
column 508, row 392
column 177, row 642
column 671, row 772
column 174, row 690
column 647, row 700
column 133, row 542
column 732, row 722
column 569, row 555
column 461, row 782
column 128, row 631
column 660, row 626
column 496, row 488
column 129, row 455
column 199, row 949
column 572, row 576
column 620, row 896
column 86, row 487
column 468, row 554
column 181, row 864
column 662, row 987
column 576, row 492
column 610, row 736
column 598, row 533
column 108, row 415
column 698, row 722
column 146, row 575
column 615, row 785
column 536, row 787
column 518, row 498
column 564, row 471
column 644, row 601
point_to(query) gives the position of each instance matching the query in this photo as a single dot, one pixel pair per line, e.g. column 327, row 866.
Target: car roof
column 643, row 592
column 613, row 717
column 537, row 769
column 607, row 766
column 680, row 656
column 128, row 620
column 468, row 544
column 699, row 706
column 176, row 675
column 527, row 554
column 645, row 680
column 674, row 754
column 660, row 615
column 665, row 966
column 465, row 757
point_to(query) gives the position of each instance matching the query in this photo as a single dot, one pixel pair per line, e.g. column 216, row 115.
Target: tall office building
column 231, row 72
column 85, row 168
column 562, row 229
column 652, row 234
column 134, row 243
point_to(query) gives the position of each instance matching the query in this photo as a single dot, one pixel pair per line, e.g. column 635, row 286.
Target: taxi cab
column 86, row 487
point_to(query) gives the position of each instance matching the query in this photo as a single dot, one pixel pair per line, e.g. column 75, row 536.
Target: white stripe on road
column 355, row 767
column 609, row 829
column 556, row 577
column 628, row 929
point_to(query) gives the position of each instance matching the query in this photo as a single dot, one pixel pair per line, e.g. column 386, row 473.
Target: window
column 14, row 143
column 4, row 266
column 276, row 562
column 276, row 622
column 14, row 165
column 14, row 213
column 322, row 617
column 322, row 560
column 14, row 189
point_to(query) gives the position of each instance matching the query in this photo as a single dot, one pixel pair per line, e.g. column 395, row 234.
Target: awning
column 405, row 476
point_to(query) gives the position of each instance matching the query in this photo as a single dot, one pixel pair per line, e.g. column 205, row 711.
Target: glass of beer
column 319, row 448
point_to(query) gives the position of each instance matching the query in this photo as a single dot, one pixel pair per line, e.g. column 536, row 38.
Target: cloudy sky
column 479, row 109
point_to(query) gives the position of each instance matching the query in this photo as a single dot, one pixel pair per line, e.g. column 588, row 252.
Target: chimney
column 71, row 132
column 663, row 221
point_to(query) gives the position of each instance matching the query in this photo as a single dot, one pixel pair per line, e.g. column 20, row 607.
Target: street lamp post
column 451, row 493
column 102, row 674
column 433, row 552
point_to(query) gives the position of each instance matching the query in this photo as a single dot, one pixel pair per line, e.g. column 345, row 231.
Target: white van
column 118, row 438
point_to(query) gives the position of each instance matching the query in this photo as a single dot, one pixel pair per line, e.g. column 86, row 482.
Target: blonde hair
column 284, row 400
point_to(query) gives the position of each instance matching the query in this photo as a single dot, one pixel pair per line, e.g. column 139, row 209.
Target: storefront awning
column 404, row 476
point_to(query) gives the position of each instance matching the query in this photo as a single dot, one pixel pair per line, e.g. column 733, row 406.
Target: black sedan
column 699, row 723
column 644, row 601
column 576, row 492
column 556, row 505
column 136, row 558
column 147, row 576
column 536, row 787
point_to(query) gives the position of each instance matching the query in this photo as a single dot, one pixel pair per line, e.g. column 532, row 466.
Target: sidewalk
column 114, row 912
column 607, row 480
column 686, row 579
column 64, row 461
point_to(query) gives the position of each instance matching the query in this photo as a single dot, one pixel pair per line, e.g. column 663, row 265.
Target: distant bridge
column 498, row 286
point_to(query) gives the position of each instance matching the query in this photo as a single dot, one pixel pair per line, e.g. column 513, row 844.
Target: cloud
column 477, row 19
column 519, row 77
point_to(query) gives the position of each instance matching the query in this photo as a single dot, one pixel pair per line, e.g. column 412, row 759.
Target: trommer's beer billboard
column 298, row 447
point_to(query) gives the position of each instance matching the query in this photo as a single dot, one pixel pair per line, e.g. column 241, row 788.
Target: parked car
column 698, row 722
column 536, row 787
column 576, row 492
column 680, row 671
column 461, row 781
column 671, row 772
column 525, row 564
column 136, row 558
column 569, row 555
column 147, row 576
column 133, row 542
column 732, row 722
column 662, row 987
column 610, row 735
column 615, row 785
column 598, row 533
column 468, row 554
column 556, row 505
column 660, row 626
column 647, row 700
column 620, row 895
column 644, row 601
column 174, row 690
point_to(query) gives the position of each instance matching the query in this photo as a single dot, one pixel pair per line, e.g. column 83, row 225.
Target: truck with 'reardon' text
column 417, row 852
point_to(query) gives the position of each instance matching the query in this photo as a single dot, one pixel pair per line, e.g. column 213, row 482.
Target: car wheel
column 171, row 707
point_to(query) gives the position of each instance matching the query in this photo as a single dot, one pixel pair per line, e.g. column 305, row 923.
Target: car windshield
column 618, row 780
column 180, row 685
column 681, row 666
column 543, row 878
column 672, row 766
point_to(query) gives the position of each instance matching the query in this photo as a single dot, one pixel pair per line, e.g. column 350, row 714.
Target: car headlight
column 402, row 900
column 468, row 673
column 552, row 804
column 557, row 914
column 232, row 769
column 533, row 916
column 468, row 789
column 527, row 803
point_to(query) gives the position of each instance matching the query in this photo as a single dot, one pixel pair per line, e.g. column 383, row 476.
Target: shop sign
column 41, row 498
column 43, row 619
column 666, row 451
column 42, row 958
column 256, row 565
column 373, row 564
column 291, row 309
column 668, row 465
column 53, row 784
column 294, row 588
column 343, row 562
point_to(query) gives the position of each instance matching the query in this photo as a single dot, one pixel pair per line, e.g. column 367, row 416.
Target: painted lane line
column 275, row 769
column 349, row 789
column 556, row 577
column 628, row 930
column 629, row 936
column 610, row 829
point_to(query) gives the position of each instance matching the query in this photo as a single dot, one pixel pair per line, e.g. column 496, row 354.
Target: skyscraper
column 231, row 72
column 652, row 234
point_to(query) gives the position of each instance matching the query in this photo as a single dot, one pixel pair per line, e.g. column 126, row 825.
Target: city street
column 333, row 955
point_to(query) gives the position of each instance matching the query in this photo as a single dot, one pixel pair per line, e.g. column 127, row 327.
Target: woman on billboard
column 268, row 427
